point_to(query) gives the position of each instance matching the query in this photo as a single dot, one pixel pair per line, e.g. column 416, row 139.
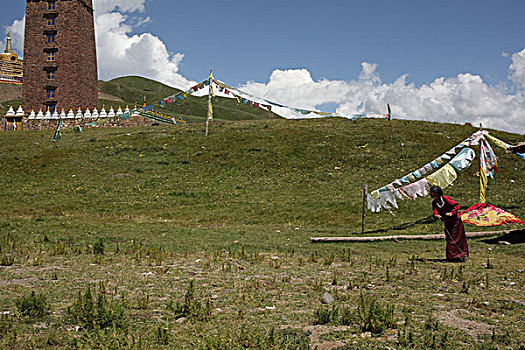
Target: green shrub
column 96, row 312
column 191, row 308
column 374, row 317
column 33, row 305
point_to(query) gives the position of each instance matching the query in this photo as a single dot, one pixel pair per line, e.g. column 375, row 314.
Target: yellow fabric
column 483, row 182
column 443, row 177
column 497, row 142
column 210, row 111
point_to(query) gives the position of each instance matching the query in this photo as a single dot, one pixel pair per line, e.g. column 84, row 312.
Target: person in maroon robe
column 447, row 210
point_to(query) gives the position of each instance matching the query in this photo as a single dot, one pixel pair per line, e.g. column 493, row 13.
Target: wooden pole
column 365, row 195
column 403, row 237
column 209, row 101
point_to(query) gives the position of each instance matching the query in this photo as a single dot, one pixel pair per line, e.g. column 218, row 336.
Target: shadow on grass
column 424, row 221
column 513, row 237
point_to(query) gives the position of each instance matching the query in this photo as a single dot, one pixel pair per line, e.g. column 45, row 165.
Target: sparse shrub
column 96, row 312
column 6, row 324
column 192, row 308
column 374, row 317
column 256, row 338
column 33, row 305
column 162, row 336
column 325, row 315
column 98, row 248
column 7, row 260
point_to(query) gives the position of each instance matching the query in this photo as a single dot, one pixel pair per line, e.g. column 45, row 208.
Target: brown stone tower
column 60, row 57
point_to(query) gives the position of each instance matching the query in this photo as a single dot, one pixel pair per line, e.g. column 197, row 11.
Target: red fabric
column 485, row 214
column 457, row 247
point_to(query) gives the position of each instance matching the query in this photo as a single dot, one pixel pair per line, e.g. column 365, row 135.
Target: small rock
column 180, row 320
column 214, row 297
column 503, row 243
column 327, row 298
column 198, row 260
column 270, row 307
column 242, row 268
column 519, row 270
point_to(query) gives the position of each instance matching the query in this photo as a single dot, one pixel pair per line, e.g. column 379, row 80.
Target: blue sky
column 315, row 54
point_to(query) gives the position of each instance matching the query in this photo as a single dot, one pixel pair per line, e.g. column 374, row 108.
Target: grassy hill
column 133, row 90
column 166, row 224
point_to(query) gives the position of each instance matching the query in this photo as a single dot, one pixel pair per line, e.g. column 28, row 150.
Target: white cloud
column 120, row 53
column 517, row 69
column 460, row 99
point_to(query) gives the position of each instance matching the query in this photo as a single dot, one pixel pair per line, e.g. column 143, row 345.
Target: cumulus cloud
column 517, row 69
column 460, row 99
column 121, row 53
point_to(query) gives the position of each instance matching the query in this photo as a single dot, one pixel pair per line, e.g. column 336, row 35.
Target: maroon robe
column 457, row 248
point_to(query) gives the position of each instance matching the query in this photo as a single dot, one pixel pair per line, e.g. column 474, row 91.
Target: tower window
column 51, row 75
column 51, row 56
column 51, row 21
column 51, row 38
column 51, row 5
column 50, row 93
column 52, row 107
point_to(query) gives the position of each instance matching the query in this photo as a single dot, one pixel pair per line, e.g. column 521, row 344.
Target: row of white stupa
column 71, row 115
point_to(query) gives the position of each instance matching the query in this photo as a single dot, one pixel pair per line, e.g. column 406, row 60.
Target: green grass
column 133, row 90
column 139, row 215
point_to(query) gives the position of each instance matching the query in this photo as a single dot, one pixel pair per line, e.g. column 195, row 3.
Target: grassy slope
column 134, row 89
column 162, row 197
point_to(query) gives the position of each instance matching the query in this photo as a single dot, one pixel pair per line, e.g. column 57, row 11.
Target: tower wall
column 72, row 56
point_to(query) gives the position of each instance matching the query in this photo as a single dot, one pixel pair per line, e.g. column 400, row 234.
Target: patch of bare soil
column 108, row 97
column 315, row 337
column 473, row 328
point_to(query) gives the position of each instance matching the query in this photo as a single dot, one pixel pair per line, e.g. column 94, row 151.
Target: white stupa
column 48, row 114
column 70, row 114
column 103, row 113
column 10, row 112
column 79, row 113
column 32, row 115
column 87, row 113
column 40, row 115
column 111, row 113
column 95, row 113
column 63, row 114
column 19, row 112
